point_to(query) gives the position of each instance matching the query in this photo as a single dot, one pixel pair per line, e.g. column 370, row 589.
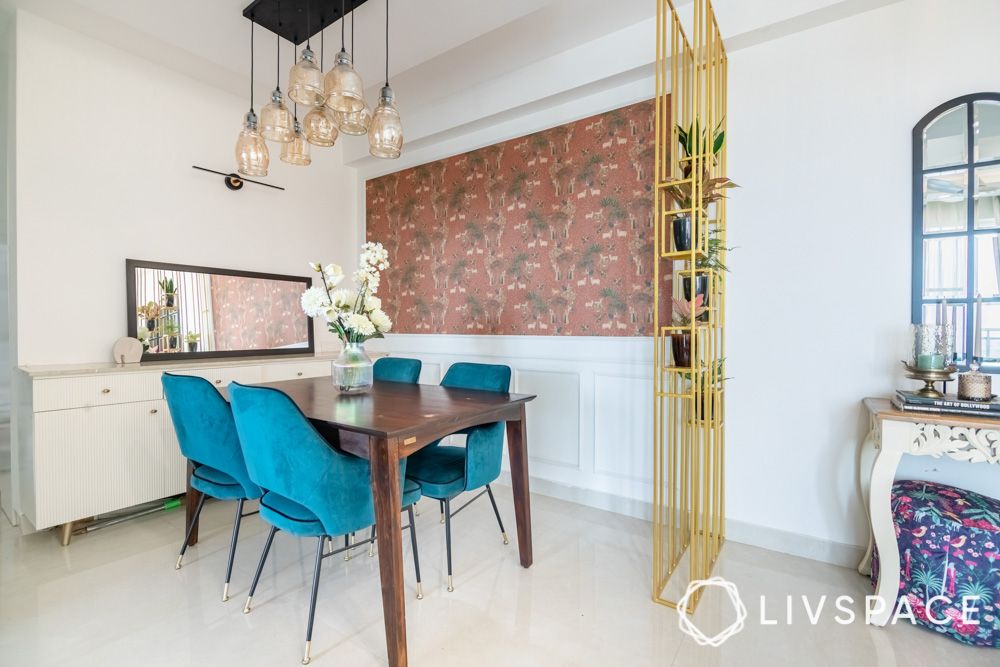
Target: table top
column 395, row 409
column 882, row 408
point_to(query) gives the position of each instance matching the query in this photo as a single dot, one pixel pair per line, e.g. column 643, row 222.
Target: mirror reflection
column 188, row 311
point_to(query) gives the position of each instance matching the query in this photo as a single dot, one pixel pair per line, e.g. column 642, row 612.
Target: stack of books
column 910, row 401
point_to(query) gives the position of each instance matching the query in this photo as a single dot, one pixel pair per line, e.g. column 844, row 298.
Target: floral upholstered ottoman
column 949, row 545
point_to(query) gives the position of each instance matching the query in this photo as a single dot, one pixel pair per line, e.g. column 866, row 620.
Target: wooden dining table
column 390, row 422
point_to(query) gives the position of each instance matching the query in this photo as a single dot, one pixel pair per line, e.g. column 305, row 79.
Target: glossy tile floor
column 114, row 598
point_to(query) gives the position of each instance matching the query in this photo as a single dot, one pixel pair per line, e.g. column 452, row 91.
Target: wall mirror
column 181, row 311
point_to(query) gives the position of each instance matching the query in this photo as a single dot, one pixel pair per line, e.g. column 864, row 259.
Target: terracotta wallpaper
column 548, row 234
column 256, row 314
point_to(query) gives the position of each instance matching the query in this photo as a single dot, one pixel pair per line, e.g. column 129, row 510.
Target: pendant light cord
column 277, row 73
column 343, row 20
column 353, row 58
column 322, row 49
column 386, row 42
column 251, row 65
column 309, row 25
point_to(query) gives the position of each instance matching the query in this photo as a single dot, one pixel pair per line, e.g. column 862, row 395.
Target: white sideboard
column 97, row 438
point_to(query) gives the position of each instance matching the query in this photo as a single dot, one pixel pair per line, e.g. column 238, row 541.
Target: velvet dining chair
column 397, row 369
column 207, row 436
column 445, row 471
column 309, row 488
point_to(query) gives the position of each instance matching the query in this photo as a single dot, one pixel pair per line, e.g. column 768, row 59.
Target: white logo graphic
column 689, row 628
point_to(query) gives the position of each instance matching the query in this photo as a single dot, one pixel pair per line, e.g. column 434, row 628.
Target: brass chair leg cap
column 420, row 591
column 306, row 658
column 246, row 607
column 225, row 593
column 505, row 540
column 177, row 565
column 451, row 585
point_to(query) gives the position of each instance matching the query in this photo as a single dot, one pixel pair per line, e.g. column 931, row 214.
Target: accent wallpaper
column 548, row 234
column 257, row 314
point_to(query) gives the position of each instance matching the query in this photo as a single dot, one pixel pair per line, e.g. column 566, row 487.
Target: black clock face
column 234, row 182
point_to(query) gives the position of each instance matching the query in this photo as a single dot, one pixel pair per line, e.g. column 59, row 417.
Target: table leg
column 384, row 459
column 880, row 514
column 864, row 472
column 191, row 498
column 517, row 451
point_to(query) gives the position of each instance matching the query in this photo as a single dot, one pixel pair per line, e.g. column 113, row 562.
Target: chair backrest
column 487, row 377
column 484, row 444
column 286, row 455
column 397, row 369
column 205, row 428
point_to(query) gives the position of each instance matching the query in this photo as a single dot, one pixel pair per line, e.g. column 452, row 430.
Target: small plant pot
column 151, row 324
column 682, row 233
column 704, row 409
column 172, row 342
column 168, row 300
column 700, row 287
column 192, row 346
column 680, row 345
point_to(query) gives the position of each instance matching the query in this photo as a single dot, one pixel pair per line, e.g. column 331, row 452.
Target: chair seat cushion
column 217, row 484
column 440, row 471
column 949, row 544
column 289, row 516
column 411, row 492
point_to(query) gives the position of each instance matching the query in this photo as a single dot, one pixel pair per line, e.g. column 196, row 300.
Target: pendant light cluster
column 336, row 105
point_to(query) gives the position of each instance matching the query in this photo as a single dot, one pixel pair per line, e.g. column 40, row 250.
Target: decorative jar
column 352, row 370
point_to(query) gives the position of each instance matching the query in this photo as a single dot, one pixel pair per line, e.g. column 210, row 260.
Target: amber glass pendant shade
column 385, row 134
column 320, row 127
column 252, row 157
column 343, row 87
column 296, row 151
column 276, row 122
column 305, row 81
column 354, row 123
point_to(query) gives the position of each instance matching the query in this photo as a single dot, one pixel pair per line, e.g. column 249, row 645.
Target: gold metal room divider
column 690, row 293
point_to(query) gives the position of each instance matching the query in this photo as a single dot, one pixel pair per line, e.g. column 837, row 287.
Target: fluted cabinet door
column 90, row 461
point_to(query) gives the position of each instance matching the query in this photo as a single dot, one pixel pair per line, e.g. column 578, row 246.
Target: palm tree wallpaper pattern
column 549, row 234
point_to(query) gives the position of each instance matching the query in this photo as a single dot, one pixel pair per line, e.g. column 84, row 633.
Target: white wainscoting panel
column 589, row 430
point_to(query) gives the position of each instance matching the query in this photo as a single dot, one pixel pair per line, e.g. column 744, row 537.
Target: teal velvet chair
column 309, row 488
column 207, row 436
column 397, row 369
column 444, row 472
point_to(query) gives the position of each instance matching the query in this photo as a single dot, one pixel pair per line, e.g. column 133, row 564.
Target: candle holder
column 929, row 376
column 975, row 386
column 933, row 346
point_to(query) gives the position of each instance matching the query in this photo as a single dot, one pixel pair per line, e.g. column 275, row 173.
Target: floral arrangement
column 150, row 311
column 354, row 315
column 192, row 337
column 687, row 311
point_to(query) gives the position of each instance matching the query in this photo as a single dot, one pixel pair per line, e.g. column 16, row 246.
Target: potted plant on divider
column 705, row 408
column 171, row 332
column 167, row 285
column 694, row 139
column 149, row 312
column 192, row 338
column 712, row 259
column 685, row 312
column 354, row 316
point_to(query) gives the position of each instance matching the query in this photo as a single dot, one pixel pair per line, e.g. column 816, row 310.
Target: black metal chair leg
column 371, row 542
column 416, row 556
column 348, row 544
column 312, row 599
column 441, row 505
column 260, row 568
column 447, row 540
column 190, row 528
column 232, row 548
column 496, row 511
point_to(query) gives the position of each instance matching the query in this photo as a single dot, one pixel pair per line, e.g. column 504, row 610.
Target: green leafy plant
column 685, row 311
column 192, row 337
column 714, row 248
column 170, row 328
column 697, row 140
column 167, row 285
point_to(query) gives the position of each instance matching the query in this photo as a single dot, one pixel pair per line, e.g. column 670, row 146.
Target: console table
column 892, row 434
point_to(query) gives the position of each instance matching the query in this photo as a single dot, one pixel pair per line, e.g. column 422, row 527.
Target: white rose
column 381, row 320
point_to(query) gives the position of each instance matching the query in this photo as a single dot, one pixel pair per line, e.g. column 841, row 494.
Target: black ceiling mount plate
column 294, row 20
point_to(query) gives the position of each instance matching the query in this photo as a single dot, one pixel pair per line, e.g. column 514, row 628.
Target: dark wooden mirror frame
column 133, row 327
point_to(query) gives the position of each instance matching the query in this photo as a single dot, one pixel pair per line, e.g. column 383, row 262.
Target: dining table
column 386, row 424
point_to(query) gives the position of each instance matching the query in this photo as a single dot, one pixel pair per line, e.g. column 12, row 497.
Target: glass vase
column 352, row 370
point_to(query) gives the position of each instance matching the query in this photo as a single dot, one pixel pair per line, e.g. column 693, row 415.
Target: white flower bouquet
column 354, row 315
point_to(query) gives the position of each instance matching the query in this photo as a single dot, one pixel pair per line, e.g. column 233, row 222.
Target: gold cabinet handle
column 153, row 411
column 218, row 382
column 105, row 391
column 299, row 373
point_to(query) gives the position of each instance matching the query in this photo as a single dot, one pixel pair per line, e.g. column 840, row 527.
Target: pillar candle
column 977, row 341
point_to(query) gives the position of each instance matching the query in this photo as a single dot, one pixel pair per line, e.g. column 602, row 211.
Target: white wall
column 819, row 137
column 107, row 141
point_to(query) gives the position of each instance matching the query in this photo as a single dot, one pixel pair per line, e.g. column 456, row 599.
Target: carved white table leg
column 865, row 566
column 884, row 531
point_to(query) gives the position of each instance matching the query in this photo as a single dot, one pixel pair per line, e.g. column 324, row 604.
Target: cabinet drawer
column 221, row 377
column 84, row 392
column 296, row 370
column 90, row 461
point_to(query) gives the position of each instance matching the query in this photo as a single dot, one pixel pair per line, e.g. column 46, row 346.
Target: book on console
column 949, row 401
column 933, row 409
